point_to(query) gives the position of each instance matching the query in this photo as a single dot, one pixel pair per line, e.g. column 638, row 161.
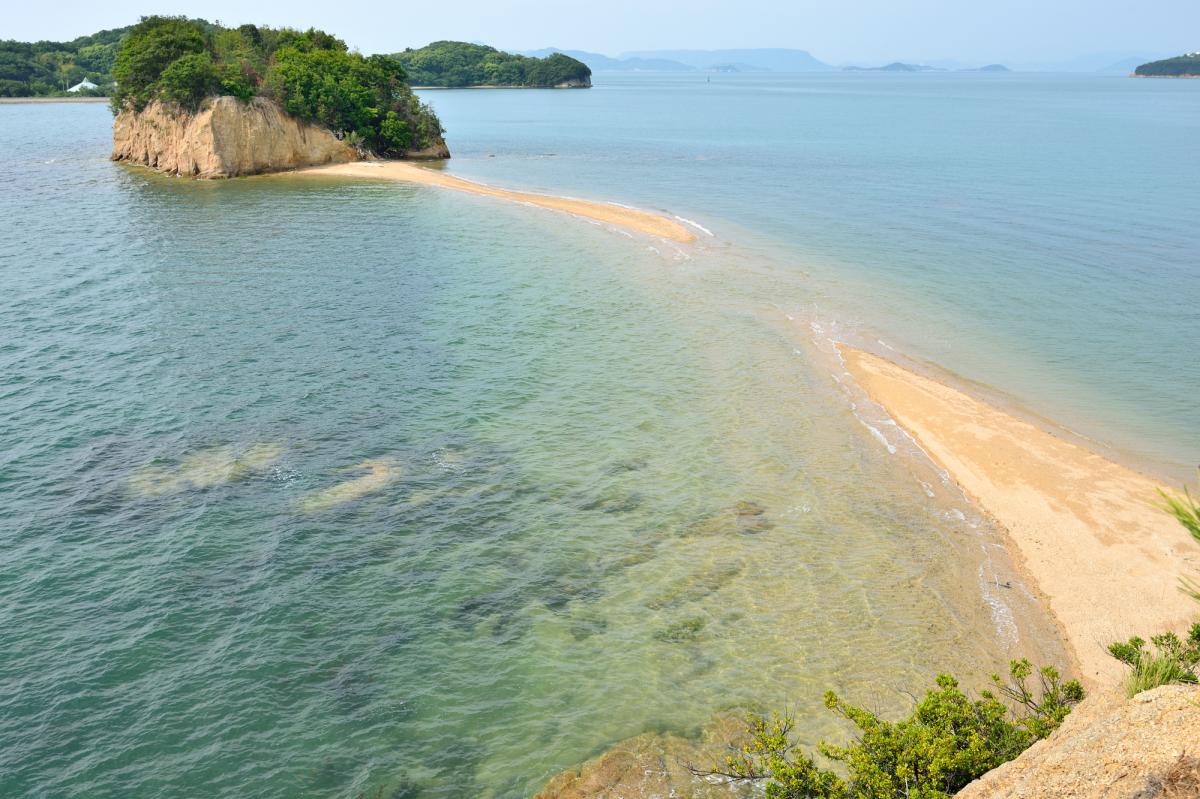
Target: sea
column 326, row 487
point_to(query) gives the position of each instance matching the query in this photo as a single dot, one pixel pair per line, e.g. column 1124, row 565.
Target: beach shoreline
column 634, row 219
column 1085, row 531
column 42, row 100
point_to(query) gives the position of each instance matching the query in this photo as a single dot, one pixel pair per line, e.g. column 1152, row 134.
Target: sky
column 838, row 32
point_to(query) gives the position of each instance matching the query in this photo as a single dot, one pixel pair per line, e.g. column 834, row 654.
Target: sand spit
column 1087, row 530
column 630, row 218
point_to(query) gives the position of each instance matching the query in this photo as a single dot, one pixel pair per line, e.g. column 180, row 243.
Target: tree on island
column 1184, row 66
column 460, row 64
column 310, row 74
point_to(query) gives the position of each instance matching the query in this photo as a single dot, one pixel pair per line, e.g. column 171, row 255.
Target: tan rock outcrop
column 224, row 138
column 655, row 766
column 1110, row 747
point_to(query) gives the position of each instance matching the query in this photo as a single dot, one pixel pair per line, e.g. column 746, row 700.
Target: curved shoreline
column 630, row 218
column 1087, row 530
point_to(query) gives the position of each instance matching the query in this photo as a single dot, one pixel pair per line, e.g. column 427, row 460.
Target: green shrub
column 149, row 49
column 311, row 74
column 1172, row 661
column 189, row 79
column 948, row 741
column 1187, row 512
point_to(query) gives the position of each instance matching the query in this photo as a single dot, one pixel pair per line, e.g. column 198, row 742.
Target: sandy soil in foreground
column 1087, row 530
column 631, row 218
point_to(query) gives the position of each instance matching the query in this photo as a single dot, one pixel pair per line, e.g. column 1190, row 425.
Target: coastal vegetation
column 311, row 75
column 1173, row 660
column 41, row 69
column 948, row 741
column 1184, row 66
column 460, row 64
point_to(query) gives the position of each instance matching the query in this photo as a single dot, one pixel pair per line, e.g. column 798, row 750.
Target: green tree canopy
column 460, row 64
column 310, row 74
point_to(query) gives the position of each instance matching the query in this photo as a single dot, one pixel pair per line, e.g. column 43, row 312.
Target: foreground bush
column 1173, row 660
column 948, row 741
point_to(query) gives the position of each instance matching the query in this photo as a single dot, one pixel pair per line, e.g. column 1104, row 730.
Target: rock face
column 1110, row 747
column 227, row 138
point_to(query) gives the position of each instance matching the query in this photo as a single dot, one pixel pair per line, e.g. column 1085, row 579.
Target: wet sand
column 1087, row 531
column 630, row 218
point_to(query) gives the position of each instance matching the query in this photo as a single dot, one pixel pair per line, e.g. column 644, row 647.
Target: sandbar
column 1088, row 531
column 631, row 218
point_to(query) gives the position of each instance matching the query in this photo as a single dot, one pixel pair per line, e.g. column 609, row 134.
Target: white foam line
column 696, row 225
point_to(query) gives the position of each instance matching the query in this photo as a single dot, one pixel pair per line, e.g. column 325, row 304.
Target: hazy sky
column 837, row 32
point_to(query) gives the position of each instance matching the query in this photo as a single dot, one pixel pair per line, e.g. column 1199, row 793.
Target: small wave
column 891, row 448
column 696, row 225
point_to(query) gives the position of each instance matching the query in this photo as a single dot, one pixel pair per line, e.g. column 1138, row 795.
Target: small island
column 196, row 98
column 460, row 65
column 1184, row 66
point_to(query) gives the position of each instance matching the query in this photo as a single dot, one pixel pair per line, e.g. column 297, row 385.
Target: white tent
column 83, row 84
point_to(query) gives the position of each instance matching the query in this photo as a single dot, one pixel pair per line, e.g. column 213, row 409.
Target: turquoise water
column 1035, row 233
column 323, row 488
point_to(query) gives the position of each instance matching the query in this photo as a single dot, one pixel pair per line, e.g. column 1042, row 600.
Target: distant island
column 598, row 62
column 196, row 98
column 896, row 66
column 461, row 65
column 1184, row 66
column 900, row 66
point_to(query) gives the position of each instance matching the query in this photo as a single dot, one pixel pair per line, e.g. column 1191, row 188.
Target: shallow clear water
column 1035, row 233
column 315, row 487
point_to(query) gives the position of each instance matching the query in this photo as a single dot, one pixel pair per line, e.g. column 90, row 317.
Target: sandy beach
column 1087, row 530
column 631, row 218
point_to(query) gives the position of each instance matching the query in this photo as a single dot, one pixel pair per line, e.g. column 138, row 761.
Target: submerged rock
column 206, row 468
column 380, row 472
column 654, row 765
column 745, row 517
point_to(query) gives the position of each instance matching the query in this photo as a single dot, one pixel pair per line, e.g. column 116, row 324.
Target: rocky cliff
column 227, row 137
column 1110, row 747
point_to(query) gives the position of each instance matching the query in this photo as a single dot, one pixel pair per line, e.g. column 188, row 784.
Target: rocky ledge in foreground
column 1147, row 747
column 1110, row 747
column 228, row 137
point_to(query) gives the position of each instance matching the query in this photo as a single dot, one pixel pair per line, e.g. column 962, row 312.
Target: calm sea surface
column 325, row 488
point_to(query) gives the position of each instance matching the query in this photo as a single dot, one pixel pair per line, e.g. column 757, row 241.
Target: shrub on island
column 311, row 75
column 460, row 64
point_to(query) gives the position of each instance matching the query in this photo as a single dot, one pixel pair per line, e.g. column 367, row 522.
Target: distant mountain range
column 745, row 60
column 900, row 66
column 602, row 63
column 768, row 59
column 772, row 59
